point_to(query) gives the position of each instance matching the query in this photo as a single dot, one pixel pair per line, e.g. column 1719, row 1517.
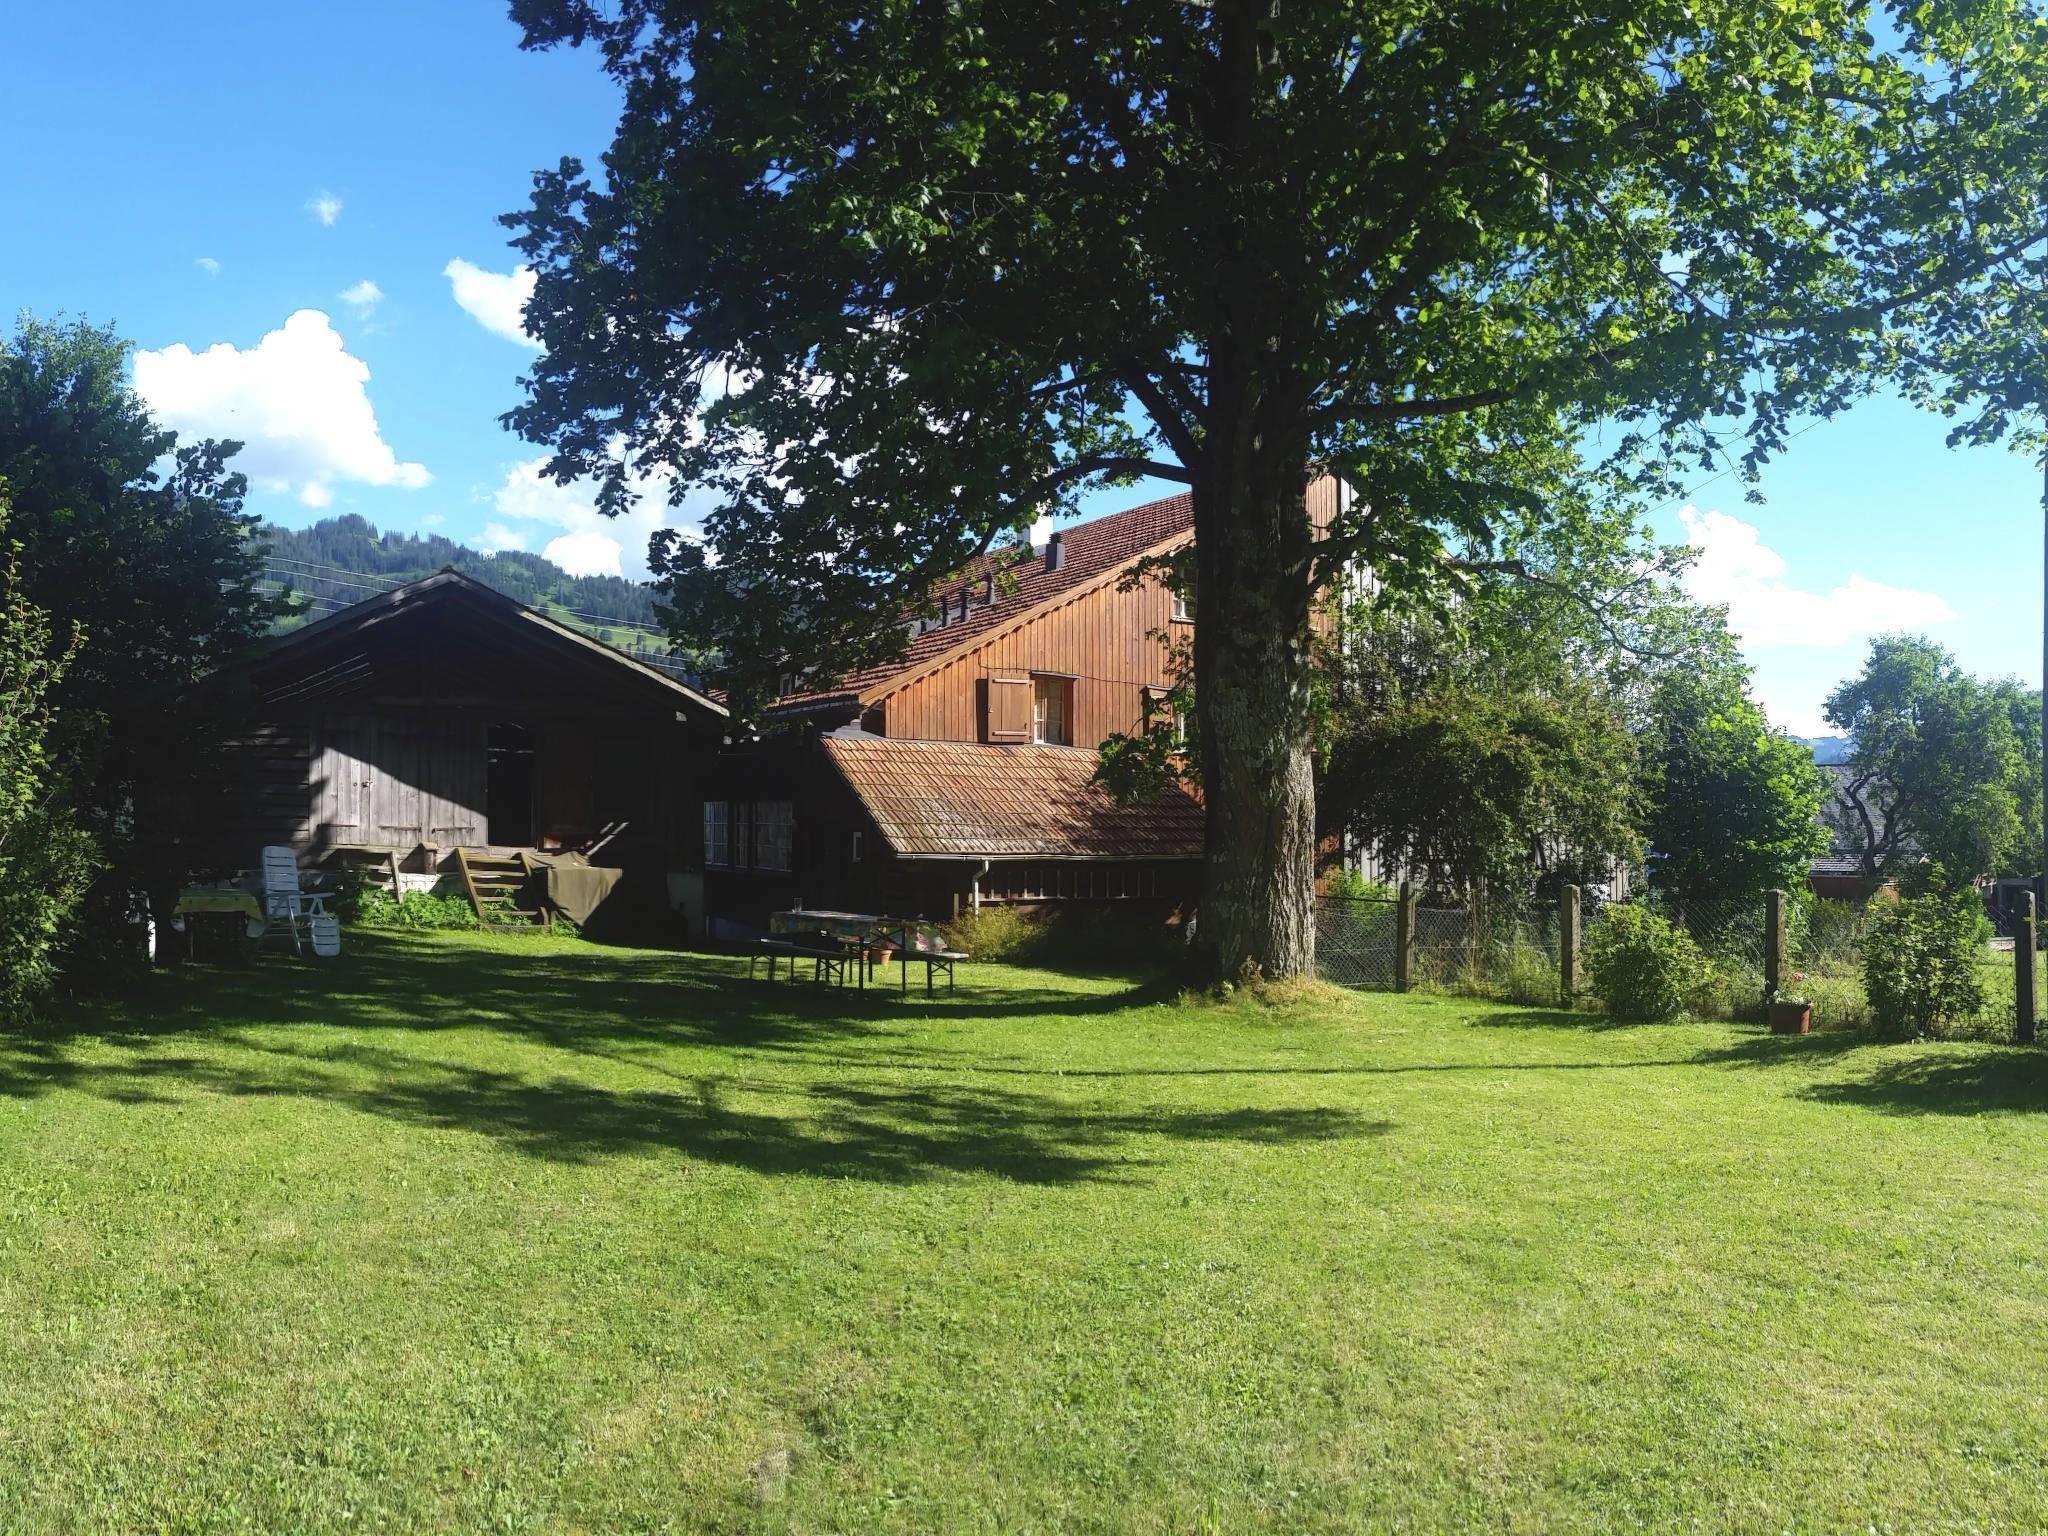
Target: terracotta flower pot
column 1791, row 1018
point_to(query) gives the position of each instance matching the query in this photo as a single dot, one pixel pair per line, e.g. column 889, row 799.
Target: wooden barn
column 444, row 716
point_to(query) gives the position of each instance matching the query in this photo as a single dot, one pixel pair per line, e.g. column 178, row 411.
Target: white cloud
column 585, row 554
column 362, row 297
column 498, row 537
column 326, row 208
column 1736, row 568
column 297, row 401
column 589, row 544
column 497, row 300
column 208, row 265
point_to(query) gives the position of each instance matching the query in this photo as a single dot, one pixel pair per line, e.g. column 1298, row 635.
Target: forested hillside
column 342, row 560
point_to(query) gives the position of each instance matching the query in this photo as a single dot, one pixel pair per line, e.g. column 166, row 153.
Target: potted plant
column 1791, row 1009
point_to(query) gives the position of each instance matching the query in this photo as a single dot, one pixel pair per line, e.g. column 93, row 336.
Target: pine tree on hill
column 342, row 560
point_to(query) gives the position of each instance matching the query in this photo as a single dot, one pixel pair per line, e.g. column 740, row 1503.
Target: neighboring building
column 444, row 715
column 961, row 773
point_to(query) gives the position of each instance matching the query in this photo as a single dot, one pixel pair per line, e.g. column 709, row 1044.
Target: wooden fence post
column 1774, row 942
column 2023, row 971
column 1568, row 944
column 1404, row 938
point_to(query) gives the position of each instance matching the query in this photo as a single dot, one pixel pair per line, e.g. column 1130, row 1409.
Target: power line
column 312, row 571
column 1690, row 492
column 331, row 581
column 338, row 570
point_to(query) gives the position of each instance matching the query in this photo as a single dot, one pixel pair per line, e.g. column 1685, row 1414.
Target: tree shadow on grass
column 2011, row 1080
column 881, row 1133
column 565, row 996
column 1551, row 1018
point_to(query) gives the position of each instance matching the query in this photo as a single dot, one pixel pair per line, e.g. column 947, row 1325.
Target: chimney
column 1055, row 552
column 1040, row 532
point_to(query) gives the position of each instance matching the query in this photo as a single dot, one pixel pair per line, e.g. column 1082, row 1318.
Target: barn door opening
column 508, row 786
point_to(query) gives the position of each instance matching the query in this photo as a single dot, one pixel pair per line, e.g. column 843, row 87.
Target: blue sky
column 269, row 201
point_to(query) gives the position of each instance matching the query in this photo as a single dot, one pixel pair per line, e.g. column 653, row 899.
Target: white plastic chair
column 282, row 898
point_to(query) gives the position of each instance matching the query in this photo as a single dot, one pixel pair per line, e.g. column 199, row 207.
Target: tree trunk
column 1253, row 545
column 1252, row 661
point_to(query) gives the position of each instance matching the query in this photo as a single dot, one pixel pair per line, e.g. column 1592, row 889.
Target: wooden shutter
column 1006, row 708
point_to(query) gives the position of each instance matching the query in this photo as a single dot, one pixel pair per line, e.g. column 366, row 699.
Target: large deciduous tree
column 1943, row 767
column 1732, row 808
column 892, row 277
column 142, row 544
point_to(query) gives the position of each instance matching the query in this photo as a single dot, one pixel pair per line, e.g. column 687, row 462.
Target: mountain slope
column 342, row 560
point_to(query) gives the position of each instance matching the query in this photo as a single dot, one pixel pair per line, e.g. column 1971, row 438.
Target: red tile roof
column 1093, row 549
column 953, row 799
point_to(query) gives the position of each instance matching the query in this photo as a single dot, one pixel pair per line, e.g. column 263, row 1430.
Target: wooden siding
column 398, row 779
column 1106, row 640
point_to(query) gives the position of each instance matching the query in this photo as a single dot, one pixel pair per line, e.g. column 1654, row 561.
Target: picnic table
column 841, row 943
column 198, row 903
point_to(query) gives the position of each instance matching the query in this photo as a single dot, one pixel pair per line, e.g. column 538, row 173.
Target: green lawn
column 467, row 1233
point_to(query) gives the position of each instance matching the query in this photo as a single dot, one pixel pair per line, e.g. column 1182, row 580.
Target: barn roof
column 951, row 799
column 1093, row 552
column 335, row 632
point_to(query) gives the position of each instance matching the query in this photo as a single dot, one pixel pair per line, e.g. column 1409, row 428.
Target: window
column 856, row 845
column 717, row 835
column 774, row 834
column 1049, row 699
column 1183, row 606
column 1159, row 710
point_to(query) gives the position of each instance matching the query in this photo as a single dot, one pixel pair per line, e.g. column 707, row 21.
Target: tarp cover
column 578, row 889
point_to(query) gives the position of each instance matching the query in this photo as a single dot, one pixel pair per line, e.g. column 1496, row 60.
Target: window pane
column 717, row 846
column 1049, row 697
column 774, row 834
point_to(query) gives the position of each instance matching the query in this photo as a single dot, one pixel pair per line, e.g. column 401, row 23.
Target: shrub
column 1529, row 976
column 416, row 909
column 45, row 861
column 1114, row 936
column 1728, row 987
column 1640, row 966
column 1922, row 963
column 1353, row 886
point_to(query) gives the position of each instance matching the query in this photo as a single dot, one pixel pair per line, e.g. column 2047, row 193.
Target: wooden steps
column 496, row 887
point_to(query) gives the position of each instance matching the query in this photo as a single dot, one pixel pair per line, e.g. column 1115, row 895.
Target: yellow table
column 199, row 901
column 196, row 899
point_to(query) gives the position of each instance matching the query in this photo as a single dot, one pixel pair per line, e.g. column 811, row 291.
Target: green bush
column 1528, row 976
column 1729, row 987
column 46, row 862
column 1353, row 886
column 417, row 909
column 1110, row 936
column 1640, row 966
column 1923, row 963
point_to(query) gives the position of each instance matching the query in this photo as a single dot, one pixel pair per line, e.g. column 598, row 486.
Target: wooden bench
column 828, row 962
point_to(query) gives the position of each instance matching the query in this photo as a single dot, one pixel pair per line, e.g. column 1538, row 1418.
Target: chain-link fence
column 1357, row 939
column 1513, row 952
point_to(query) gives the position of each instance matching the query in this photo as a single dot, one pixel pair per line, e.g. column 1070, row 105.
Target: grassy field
column 469, row 1233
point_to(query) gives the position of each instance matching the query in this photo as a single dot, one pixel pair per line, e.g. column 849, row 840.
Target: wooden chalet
column 445, row 716
column 961, row 773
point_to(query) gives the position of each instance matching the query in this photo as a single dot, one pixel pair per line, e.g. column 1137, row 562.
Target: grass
column 481, row 1232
